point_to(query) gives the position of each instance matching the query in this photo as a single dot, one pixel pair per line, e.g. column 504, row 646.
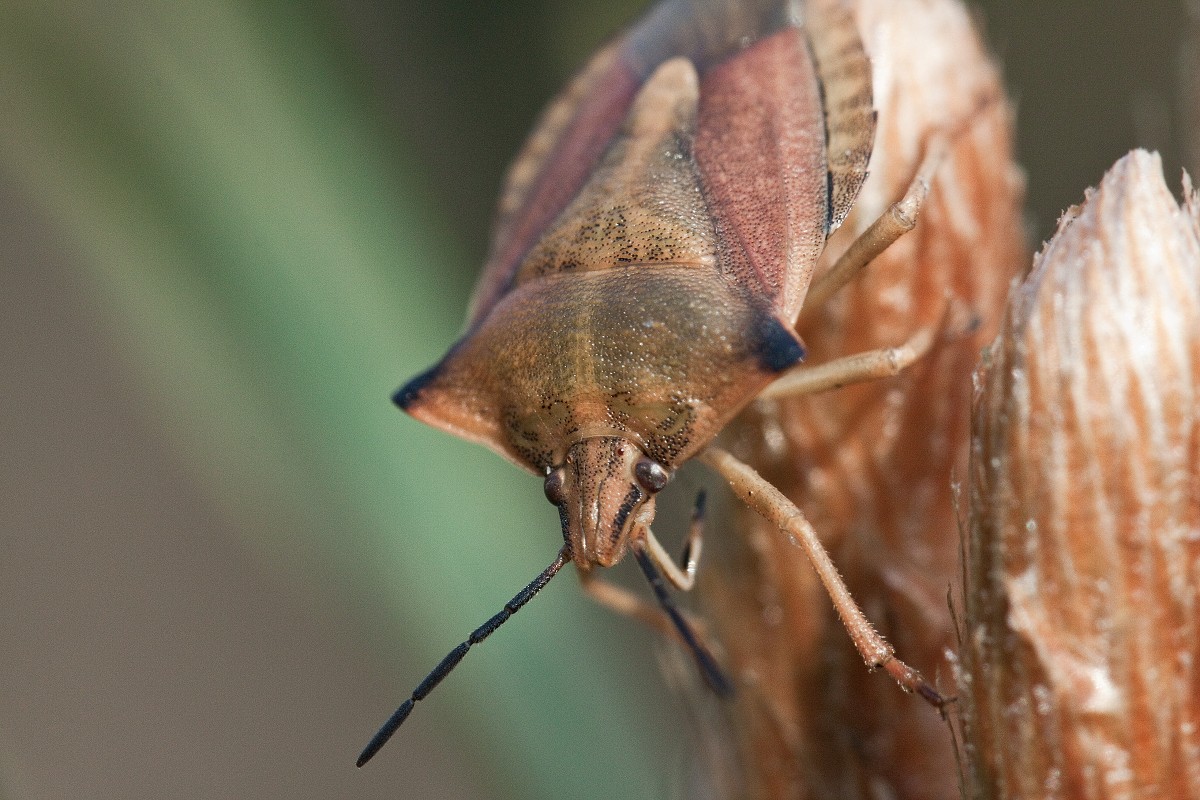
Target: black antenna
column 713, row 675
column 456, row 655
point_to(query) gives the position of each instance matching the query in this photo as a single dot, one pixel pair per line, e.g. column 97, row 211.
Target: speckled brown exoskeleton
column 654, row 247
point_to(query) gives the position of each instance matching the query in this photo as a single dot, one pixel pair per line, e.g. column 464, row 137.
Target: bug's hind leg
column 758, row 493
column 899, row 219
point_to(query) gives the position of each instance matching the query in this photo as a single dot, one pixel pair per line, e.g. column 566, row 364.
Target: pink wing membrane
column 759, row 145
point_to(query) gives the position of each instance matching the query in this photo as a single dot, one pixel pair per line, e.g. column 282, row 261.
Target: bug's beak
column 601, row 499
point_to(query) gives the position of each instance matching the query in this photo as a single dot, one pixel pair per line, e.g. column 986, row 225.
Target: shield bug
column 654, row 244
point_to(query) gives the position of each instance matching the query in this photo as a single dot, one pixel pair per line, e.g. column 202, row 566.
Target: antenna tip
column 385, row 733
column 368, row 752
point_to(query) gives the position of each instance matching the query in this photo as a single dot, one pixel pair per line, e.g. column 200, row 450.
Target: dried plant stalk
column 872, row 465
column 1082, row 644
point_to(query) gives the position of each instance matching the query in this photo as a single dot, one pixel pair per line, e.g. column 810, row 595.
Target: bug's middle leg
column 858, row 368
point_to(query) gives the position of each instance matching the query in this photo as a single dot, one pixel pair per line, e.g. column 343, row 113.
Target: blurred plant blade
column 259, row 248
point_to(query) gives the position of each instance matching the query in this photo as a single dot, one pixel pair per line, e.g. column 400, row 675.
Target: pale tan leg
column 899, row 219
column 683, row 578
column 667, row 619
column 857, row 368
column 774, row 506
column 623, row 601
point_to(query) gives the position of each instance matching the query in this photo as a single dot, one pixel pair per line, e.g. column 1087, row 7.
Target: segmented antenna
column 713, row 674
column 456, row 655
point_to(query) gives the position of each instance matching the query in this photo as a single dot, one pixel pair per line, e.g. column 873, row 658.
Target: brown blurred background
column 227, row 232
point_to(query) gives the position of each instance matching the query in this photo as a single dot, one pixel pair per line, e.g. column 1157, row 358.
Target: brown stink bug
column 654, row 245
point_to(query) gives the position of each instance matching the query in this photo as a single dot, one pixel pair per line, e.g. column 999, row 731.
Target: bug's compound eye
column 554, row 486
column 651, row 475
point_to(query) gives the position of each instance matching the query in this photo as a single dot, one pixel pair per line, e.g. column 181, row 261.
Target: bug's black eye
column 651, row 475
column 554, row 486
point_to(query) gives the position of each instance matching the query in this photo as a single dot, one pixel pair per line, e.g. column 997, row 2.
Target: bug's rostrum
column 603, row 499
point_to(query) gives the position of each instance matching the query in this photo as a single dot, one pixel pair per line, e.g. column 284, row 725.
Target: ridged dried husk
column 872, row 465
column 1081, row 659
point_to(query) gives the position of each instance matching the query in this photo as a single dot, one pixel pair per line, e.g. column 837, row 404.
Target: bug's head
column 604, row 491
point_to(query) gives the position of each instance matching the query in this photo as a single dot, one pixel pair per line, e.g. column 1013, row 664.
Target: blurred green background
column 228, row 230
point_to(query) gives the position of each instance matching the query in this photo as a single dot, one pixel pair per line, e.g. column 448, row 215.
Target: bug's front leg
column 666, row 618
column 758, row 493
column 622, row 601
column 683, row 575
